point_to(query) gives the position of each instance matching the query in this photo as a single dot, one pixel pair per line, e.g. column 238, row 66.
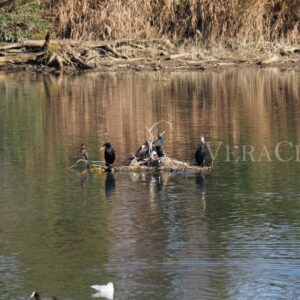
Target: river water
column 231, row 234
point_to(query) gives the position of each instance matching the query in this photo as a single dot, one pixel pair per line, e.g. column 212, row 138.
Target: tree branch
column 157, row 123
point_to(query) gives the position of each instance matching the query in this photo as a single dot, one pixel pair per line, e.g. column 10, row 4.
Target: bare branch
column 161, row 121
column 150, row 133
column 155, row 124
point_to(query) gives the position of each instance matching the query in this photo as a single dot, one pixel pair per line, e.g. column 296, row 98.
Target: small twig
column 71, row 167
column 155, row 124
column 150, row 133
column 74, row 165
column 105, row 134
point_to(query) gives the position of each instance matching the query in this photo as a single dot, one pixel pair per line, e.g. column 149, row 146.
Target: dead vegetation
column 161, row 35
column 71, row 56
column 177, row 167
column 209, row 23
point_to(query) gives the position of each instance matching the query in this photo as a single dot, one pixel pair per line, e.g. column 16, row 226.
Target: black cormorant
column 37, row 296
column 158, row 145
column 200, row 153
column 143, row 152
column 109, row 154
column 83, row 152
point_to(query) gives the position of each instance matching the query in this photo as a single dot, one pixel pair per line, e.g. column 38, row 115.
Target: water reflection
column 200, row 182
column 110, row 185
column 84, row 177
column 11, row 274
column 159, row 235
column 230, row 106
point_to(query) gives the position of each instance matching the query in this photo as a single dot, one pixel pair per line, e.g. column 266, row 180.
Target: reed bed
column 205, row 22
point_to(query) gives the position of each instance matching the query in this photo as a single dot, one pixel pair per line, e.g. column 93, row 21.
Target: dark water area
column 231, row 234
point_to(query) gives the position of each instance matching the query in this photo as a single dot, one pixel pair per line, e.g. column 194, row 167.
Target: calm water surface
column 232, row 234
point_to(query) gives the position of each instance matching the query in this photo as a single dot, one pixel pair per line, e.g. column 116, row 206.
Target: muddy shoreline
column 72, row 57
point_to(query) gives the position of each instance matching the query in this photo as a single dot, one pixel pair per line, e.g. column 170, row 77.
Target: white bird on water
column 104, row 291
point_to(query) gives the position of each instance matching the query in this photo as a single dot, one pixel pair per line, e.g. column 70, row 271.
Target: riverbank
column 70, row 56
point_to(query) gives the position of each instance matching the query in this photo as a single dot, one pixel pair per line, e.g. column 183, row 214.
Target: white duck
column 104, row 291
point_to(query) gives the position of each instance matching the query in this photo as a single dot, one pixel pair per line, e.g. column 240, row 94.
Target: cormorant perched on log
column 200, row 153
column 109, row 154
column 83, row 152
column 158, row 145
column 143, row 152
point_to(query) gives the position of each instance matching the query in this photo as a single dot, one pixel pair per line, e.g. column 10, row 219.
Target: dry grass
column 205, row 22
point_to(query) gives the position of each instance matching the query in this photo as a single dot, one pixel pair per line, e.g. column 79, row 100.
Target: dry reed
column 205, row 22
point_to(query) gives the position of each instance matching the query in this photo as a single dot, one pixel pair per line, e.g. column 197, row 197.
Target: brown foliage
column 204, row 21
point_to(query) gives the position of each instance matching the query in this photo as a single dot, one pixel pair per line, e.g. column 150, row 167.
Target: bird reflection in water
column 158, row 180
column 84, row 178
column 200, row 182
column 110, row 185
column 156, row 183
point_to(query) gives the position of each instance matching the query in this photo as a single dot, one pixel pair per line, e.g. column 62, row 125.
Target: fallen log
column 171, row 165
column 175, row 56
column 24, row 44
column 269, row 60
column 190, row 169
column 22, row 58
column 74, row 57
column 289, row 49
column 109, row 49
column 10, row 46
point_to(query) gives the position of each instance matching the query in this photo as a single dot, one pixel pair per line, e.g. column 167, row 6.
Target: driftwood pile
column 169, row 165
column 156, row 54
column 73, row 56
